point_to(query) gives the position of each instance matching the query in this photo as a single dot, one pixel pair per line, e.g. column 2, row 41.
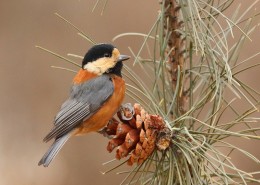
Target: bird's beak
column 122, row 58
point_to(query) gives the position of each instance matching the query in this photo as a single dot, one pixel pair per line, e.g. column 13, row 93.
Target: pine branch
column 175, row 50
column 172, row 140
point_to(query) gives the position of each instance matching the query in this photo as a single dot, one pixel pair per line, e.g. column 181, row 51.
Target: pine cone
column 137, row 135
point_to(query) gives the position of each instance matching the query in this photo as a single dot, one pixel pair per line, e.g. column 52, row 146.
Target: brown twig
column 175, row 50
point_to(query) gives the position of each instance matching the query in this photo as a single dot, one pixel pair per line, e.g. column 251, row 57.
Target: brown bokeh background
column 31, row 92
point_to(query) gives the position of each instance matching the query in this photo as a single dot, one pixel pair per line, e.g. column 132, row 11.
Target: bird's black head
column 98, row 51
column 104, row 58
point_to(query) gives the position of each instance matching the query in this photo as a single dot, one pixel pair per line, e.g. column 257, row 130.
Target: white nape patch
column 92, row 68
column 100, row 66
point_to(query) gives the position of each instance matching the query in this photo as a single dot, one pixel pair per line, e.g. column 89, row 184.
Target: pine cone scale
column 136, row 135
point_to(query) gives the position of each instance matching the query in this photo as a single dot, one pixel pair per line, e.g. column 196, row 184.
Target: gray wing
column 85, row 99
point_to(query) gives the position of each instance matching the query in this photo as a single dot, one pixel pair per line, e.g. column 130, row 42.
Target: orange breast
column 82, row 76
column 108, row 109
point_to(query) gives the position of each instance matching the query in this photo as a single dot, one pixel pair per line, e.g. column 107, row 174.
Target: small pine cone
column 138, row 134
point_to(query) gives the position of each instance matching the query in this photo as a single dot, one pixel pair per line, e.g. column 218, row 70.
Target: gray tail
column 53, row 150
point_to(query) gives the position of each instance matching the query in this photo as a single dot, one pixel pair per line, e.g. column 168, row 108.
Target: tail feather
column 53, row 150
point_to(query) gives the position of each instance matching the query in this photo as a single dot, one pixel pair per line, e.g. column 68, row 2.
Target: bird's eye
column 106, row 55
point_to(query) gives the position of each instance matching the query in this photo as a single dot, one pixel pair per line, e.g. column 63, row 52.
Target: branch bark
column 175, row 51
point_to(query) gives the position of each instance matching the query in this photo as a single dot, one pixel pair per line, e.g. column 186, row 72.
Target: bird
column 97, row 93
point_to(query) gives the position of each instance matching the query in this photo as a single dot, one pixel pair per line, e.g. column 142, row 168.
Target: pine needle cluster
column 190, row 70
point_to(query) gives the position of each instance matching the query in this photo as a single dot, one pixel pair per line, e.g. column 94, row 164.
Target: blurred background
column 31, row 92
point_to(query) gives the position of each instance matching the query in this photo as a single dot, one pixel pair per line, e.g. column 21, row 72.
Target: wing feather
column 85, row 99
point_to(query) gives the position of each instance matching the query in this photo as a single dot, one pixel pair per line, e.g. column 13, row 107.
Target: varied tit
column 96, row 95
